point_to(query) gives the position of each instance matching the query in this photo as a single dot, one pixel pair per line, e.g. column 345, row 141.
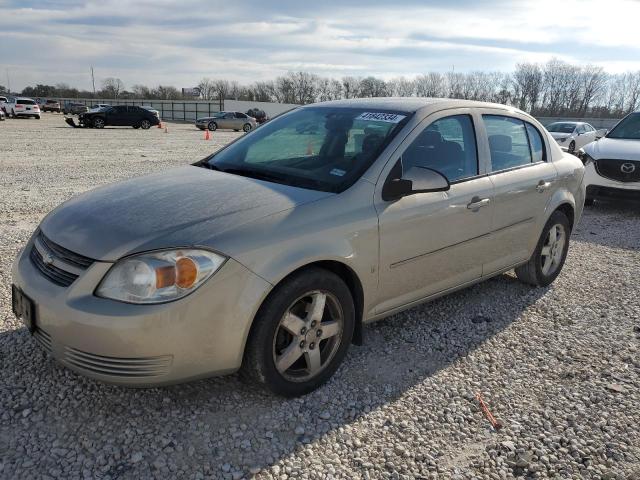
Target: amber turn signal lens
column 165, row 276
column 186, row 272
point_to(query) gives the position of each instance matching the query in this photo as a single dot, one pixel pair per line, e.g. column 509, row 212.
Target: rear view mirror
column 415, row 180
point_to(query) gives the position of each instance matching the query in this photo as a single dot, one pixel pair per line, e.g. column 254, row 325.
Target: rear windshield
column 25, row 102
column 320, row 148
column 51, row 101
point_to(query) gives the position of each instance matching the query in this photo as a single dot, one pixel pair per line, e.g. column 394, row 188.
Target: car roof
column 410, row 104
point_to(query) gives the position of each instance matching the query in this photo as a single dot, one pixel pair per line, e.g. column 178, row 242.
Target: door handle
column 477, row 203
column 542, row 186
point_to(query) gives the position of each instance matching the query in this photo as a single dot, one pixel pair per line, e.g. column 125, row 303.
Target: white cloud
column 177, row 43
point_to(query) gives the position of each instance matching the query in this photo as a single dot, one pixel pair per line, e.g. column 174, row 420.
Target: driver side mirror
column 416, row 180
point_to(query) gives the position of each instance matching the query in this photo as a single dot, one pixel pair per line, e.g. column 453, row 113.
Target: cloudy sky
column 178, row 42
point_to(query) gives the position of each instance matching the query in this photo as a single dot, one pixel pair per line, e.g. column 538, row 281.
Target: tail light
column 19, row 106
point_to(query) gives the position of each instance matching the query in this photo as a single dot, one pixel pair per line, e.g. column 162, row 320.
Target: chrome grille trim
column 118, row 366
column 58, row 264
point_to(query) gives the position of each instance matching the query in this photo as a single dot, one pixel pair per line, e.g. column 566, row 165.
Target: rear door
column 524, row 181
column 228, row 121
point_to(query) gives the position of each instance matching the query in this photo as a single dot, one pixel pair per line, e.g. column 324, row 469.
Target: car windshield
column 320, row 148
column 561, row 127
column 628, row 128
column 25, row 102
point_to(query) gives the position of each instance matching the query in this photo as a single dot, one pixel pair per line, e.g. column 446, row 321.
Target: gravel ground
column 558, row 366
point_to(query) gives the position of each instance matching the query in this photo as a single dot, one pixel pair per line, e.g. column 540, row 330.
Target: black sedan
column 118, row 116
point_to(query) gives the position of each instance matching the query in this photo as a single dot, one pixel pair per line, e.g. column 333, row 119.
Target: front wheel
column 212, row 126
column 301, row 333
column 548, row 258
column 246, row 127
column 145, row 124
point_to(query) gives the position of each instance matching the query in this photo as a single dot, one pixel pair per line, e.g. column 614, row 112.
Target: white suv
column 22, row 107
column 612, row 163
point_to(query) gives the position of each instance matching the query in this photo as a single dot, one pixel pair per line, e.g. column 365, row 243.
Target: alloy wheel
column 553, row 249
column 308, row 336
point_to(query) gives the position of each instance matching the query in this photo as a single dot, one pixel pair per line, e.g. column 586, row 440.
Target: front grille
column 619, row 170
column 61, row 266
column 43, row 339
column 116, row 366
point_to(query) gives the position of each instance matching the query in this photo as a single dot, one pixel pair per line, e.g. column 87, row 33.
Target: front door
column 432, row 242
column 116, row 115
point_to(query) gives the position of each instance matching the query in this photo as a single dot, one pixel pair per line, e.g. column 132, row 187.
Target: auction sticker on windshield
column 381, row 117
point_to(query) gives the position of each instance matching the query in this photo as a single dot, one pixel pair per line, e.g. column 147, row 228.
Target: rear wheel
column 145, row 124
column 213, row 126
column 247, row 127
column 301, row 333
column 572, row 147
column 98, row 122
column 548, row 258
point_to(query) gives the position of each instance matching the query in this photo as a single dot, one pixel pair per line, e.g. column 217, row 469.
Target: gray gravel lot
column 558, row 366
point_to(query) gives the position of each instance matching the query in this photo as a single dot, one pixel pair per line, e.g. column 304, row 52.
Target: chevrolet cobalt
column 271, row 254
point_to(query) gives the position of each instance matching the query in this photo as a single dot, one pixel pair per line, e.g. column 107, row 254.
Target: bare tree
column 351, row 87
column 111, row 87
column 207, row 89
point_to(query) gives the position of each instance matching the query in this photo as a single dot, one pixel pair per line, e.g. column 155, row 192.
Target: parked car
column 2, row 116
column 50, row 106
column 260, row 115
column 117, row 116
column 3, row 101
column 100, row 105
column 573, row 135
column 74, row 108
column 231, row 120
column 268, row 257
column 613, row 162
column 22, row 107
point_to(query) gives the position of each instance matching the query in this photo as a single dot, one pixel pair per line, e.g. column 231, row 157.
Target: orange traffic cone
column 206, row 135
column 160, row 125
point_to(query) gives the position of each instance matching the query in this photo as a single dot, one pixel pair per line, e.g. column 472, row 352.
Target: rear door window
column 508, row 142
column 537, row 145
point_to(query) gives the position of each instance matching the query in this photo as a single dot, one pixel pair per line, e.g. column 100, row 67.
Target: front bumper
column 598, row 185
column 197, row 336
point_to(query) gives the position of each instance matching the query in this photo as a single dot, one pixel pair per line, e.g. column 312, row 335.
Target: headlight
column 158, row 277
column 585, row 157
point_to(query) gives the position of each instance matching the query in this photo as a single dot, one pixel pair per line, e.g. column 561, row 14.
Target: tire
column 145, row 124
column 537, row 271
column 98, row 122
column 37, row 117
column 572, row 147
column 13, row 113
column 213, row 126
column 269, row 339
column 246, row 127
column 588, row 202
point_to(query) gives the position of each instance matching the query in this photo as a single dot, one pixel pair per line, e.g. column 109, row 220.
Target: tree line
column 554, row 88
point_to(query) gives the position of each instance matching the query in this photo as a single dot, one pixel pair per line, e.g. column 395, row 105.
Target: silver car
column 230, row 120
column 270, row 255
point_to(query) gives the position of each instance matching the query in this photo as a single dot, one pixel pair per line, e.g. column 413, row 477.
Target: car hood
column 614, row 148
column 183, row 207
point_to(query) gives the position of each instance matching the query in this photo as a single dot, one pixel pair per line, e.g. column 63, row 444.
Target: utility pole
column 8, row 81
column 93, row 81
